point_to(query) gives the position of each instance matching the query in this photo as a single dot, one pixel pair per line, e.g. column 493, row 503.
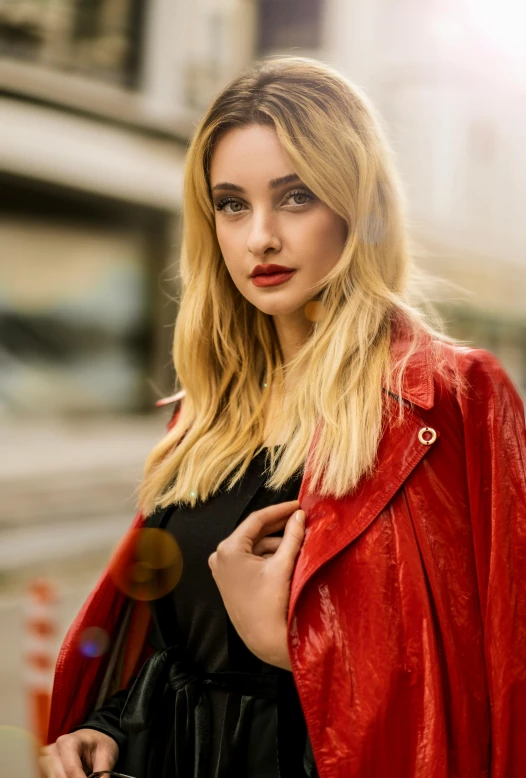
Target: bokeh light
column 94, row 642
column 314, row 310
column 147, row 564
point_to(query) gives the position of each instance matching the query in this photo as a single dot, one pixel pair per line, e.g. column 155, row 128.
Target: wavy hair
column 226, row 353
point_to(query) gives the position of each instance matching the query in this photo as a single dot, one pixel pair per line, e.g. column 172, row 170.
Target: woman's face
column 265, row 215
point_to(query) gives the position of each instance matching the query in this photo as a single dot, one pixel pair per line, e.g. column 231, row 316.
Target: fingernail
column 300, row 516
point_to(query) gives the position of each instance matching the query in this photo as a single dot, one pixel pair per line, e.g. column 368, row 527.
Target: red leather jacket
column 407, row 615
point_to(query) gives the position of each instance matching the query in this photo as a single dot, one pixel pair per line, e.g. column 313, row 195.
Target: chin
column 275, row 308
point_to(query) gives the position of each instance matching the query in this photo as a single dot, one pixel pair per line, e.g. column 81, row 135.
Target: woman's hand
column 73, row 754
column 253, row 574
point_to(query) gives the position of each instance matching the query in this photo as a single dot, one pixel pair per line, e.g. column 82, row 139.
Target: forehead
column 250, row 153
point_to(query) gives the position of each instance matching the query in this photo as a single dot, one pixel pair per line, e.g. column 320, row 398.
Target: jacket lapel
column 333, row 524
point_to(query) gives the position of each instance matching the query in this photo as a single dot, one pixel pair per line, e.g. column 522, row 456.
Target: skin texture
column 263, row 226
column 256, row 588
column 78, row 754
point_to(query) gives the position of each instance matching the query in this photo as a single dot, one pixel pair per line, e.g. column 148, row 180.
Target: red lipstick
column 271, row 275
column 266, row 269
column 272, row 279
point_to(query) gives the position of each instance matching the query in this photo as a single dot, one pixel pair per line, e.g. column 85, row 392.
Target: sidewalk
column 66, row 498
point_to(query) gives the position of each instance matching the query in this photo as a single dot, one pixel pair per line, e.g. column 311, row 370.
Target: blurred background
column 98, row 101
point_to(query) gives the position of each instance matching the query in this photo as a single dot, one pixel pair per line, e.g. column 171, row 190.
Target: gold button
column 427, row 436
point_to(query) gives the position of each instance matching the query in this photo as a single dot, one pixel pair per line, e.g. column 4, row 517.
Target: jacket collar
column 332, row 524
column 417, row 381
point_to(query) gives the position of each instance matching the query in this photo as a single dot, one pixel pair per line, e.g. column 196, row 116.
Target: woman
column 384, row 632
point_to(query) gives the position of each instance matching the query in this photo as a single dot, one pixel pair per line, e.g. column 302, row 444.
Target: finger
column 50, row 765
column 262, row 522
column 293, row 537
column 102, row 761
column 266, row 546
column 105, row 756
column 68, row 751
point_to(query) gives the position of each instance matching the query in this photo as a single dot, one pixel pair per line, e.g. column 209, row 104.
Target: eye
column 220, row 206
column 300, row 193
column 234, row 202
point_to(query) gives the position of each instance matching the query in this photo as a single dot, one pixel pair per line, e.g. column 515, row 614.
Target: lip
column 272, row 279
column 266, row 269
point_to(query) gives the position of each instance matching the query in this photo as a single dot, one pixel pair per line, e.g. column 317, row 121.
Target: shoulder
column 476, row 377
column 472, row 362
column 434, row 370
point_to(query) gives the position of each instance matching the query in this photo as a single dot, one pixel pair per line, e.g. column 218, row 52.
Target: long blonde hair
column 226, row 353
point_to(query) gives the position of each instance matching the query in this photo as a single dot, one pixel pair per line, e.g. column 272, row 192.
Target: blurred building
column 450, row 82
column 99, row 100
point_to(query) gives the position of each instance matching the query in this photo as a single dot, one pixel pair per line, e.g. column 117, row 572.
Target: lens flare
column 314, row 310
column 94, row 642
column 147, row 564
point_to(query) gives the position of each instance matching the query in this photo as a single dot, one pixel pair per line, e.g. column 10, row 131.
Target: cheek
column 230, row 244
column 324, row 237
column 225, row 245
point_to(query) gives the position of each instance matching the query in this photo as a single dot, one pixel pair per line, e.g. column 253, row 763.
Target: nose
column 263, row 235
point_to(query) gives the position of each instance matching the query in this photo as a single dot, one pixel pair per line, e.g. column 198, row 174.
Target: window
column 294, row 23
column 98, row 38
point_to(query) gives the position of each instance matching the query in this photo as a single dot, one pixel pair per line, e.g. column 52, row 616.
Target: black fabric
column 107, row 719
column 204, row 705
column 192, row 743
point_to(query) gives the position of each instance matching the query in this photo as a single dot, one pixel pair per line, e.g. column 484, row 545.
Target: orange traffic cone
column 40, row 652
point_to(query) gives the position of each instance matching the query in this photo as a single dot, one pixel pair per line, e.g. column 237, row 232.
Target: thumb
column 293, row 537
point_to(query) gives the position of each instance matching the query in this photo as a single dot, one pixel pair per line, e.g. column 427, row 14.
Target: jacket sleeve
column 495, row 441
column 107, row 719
column 79, row 680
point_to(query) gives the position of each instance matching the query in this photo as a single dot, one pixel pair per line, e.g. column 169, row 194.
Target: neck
column 292, row 330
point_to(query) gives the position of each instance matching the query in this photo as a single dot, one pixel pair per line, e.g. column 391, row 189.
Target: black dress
column 204, row 706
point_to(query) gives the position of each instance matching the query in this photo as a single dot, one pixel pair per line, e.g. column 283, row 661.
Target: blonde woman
column 345, row 484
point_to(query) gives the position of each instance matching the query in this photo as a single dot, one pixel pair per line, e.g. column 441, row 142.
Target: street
column 16, row 754
column 68, row 495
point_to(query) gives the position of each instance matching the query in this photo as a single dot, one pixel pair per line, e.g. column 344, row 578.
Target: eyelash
column 221, row 204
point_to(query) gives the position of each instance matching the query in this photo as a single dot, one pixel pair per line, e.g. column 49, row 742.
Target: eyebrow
column 275, row 183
